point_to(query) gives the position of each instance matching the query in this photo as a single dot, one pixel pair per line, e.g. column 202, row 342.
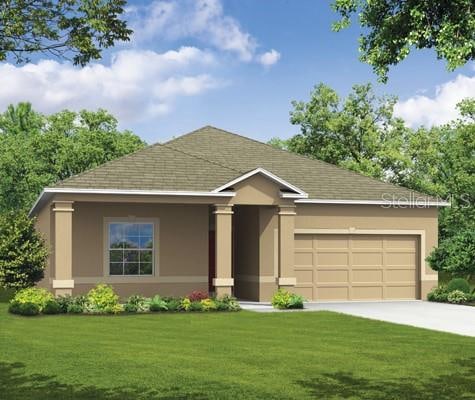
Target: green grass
column 244, row 355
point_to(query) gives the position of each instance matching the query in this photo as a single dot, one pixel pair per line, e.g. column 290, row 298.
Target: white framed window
column 131, row 248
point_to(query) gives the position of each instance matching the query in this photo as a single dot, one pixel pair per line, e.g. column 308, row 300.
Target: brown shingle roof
column 209, row 157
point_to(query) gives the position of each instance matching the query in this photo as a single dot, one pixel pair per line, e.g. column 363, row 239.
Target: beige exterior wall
column 44, row 224
column 422, row 221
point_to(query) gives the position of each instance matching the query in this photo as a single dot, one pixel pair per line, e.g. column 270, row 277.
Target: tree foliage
column 23, row 253
column 77, row 29
column 392, row 28
column 359, row 132
column 38, row 150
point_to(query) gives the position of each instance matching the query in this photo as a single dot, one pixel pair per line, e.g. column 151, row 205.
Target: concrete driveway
column 437, row 316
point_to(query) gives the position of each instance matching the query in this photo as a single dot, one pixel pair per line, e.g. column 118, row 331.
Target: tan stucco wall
column 45, row 225
column 182, row 246
column 373, row 217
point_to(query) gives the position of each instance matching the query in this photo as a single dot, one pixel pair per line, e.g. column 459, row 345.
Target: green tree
column 359, row 132
column 392, row 28
column 63, row 28
column 23, row 253
column 38, row 150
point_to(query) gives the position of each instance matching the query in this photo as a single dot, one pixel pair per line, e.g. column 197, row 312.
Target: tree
column 38, row 150
column 62, row 28
column 359, row 132
column 23, row 253
column 394, row 27
column 455, row 255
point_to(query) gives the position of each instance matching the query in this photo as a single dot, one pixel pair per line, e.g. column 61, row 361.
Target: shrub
column 196, row 306
column 158, row 304
column 457, row 297
column 38, row 296
column 208, row 305
column 459, row 284
column 198, row 296
column 227, row 303
column 75, row 308
column 455, row 255
column 64, row 302
column 102, row 299
column 52, row 307
column 26, row 308
column 285, row 300
column 137, row 303
column 438, row 294
column 23, row 253
column 173, row 304
column 185, row 304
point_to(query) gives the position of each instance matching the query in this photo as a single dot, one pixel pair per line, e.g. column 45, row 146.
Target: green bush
column 137, row 303
column 185, row 304
column 457, row 297
column 227, row 303
column 284, row 300
column 26, row 308
column 23, row 253
column 158, row 304
column 75, row 308
column 102, row 300
column 173, row 304
column 455, row 255
column 438, row 294
column 196, row 306
column 459, row 284
column 208, row 304
column 52, row 307
column 38, row 296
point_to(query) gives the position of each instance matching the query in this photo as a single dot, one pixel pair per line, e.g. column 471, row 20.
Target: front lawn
column 244, row 355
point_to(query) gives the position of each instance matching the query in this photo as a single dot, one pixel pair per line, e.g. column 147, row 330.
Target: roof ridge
column 199, row 157
column 311, row 159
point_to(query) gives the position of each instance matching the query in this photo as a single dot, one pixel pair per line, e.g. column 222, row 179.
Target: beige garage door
column 356, row 267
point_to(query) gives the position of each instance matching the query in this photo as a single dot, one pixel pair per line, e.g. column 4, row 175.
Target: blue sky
column 235, row 64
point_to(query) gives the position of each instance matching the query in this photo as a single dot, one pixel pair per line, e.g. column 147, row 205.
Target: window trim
column 155, row 251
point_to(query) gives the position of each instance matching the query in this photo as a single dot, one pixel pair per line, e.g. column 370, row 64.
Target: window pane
column 116, row 235
column 116, row 255
column 145, row 268
column 131, row 229
column 116, row 268
column 132, row 242
column 131, row 255
column 146, row 242
column 146, row 256
column 131, row 268
column 146, row 229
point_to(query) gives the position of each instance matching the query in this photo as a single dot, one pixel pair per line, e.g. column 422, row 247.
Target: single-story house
column 216, row 211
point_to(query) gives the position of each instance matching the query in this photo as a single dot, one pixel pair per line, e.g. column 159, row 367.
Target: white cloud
column 193, row 19
column 439, row 109
column 269, row 58
column 138, row 84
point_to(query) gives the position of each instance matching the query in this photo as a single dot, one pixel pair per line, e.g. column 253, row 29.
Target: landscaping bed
column 457, row 291
column 103, row 300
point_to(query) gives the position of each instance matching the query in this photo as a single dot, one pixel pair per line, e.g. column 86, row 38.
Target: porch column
column 286, row 277
column 63, row 223
column 223, row 282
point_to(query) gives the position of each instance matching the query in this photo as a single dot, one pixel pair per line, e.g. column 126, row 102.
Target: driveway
column 423, row 314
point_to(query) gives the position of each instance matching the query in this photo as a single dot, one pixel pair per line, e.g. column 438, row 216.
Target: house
column 212, row 210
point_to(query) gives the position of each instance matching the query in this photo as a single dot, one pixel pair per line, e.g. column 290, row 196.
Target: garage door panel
column 335, row 276
column 304, row 258
column 401, row 275
column 331, row 242
column 367, row 259
column 401, row 292
column 356, row 267
column 304, row 275
column 305, row 291
column 332, row 259
column 367, row 275
column 332, row 293
column 367, row 292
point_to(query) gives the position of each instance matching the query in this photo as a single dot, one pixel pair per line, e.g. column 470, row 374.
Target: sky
column 234, row 64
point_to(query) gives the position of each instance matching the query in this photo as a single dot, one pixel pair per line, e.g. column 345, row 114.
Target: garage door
column 356, row 267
